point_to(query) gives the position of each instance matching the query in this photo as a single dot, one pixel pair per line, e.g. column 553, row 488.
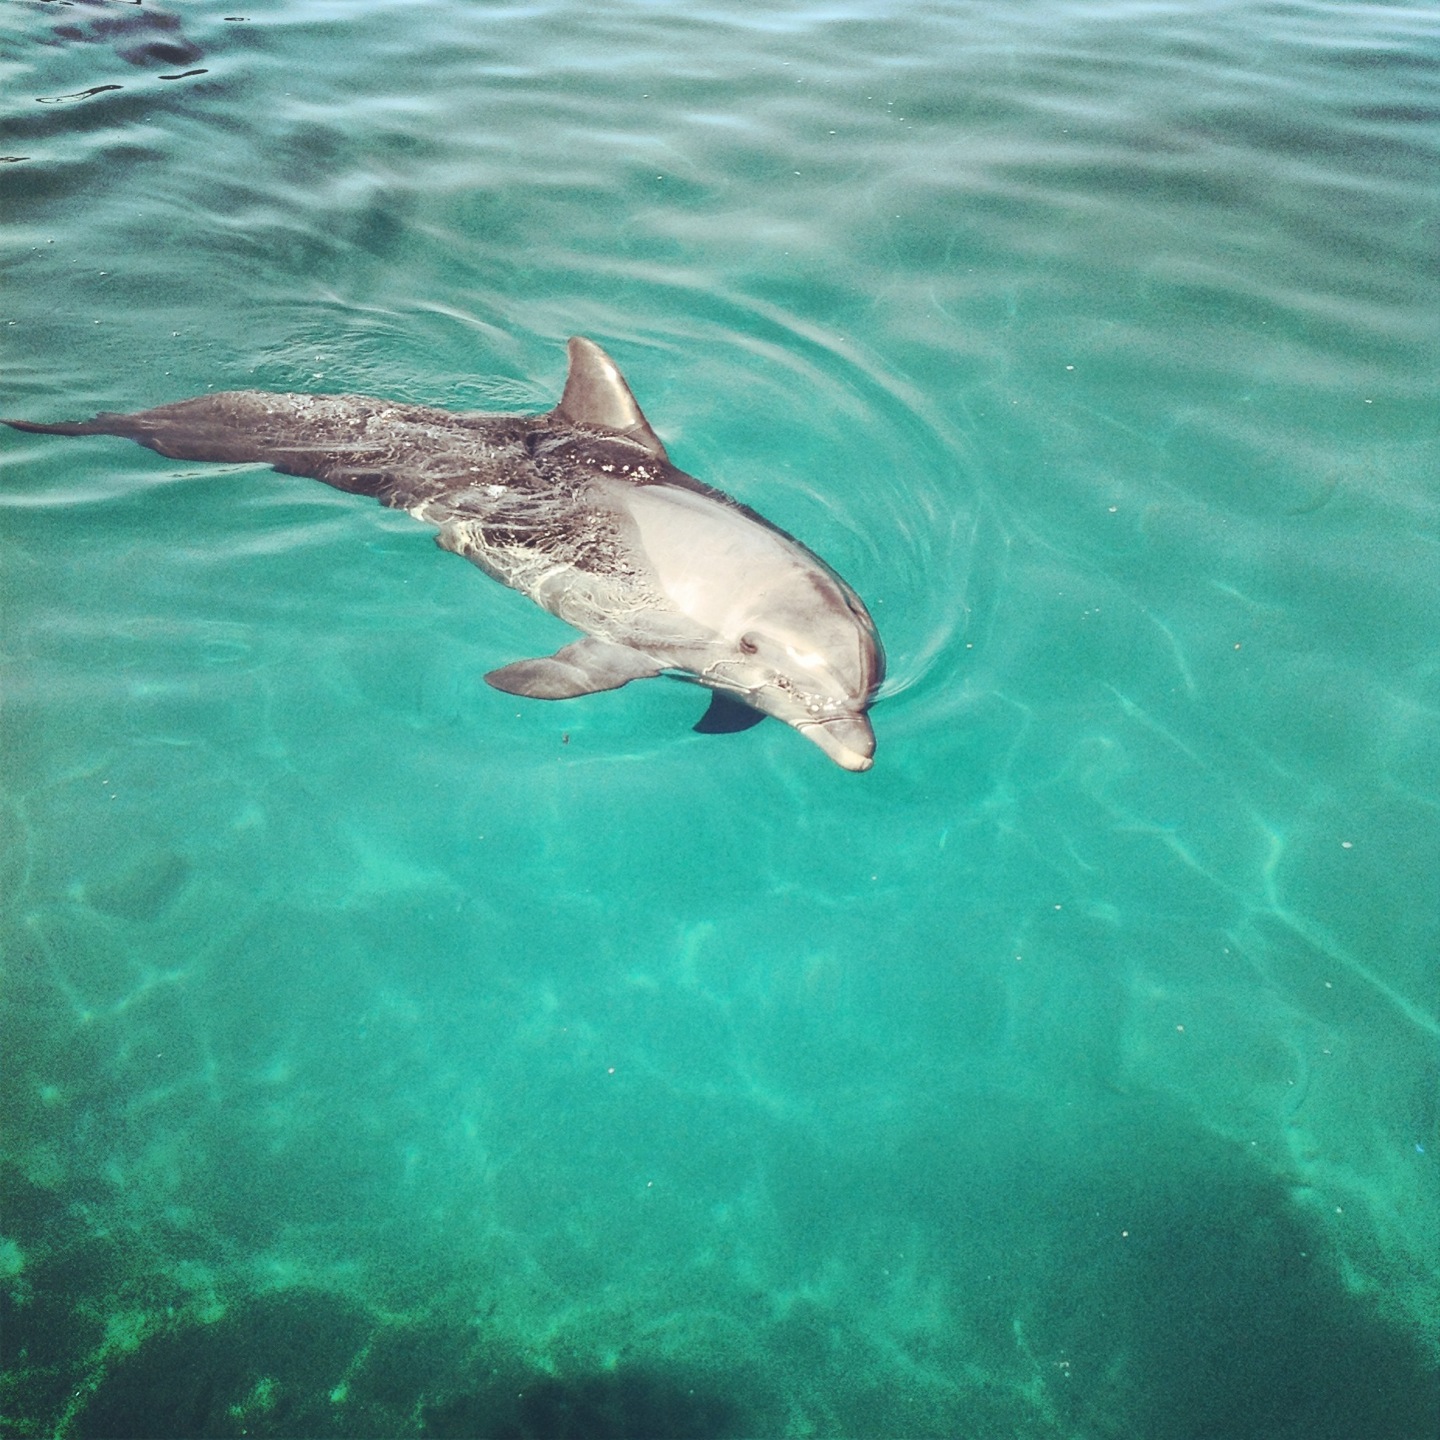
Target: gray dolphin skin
column 580, row 509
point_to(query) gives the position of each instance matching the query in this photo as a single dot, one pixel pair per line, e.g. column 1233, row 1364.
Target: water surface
column 387, row 1056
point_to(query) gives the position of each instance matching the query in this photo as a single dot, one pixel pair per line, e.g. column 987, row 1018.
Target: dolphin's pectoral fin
column 583, row 668
column 727, row 716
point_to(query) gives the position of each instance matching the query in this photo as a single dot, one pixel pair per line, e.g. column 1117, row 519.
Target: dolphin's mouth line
column 708, row 681
column 713, row 681
column 822, row 721
column 748, row 693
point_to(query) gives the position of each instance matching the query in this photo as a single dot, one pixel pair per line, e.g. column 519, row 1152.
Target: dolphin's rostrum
column 581, row 510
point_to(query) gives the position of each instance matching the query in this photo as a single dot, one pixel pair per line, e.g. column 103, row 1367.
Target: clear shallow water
column 380, row 1050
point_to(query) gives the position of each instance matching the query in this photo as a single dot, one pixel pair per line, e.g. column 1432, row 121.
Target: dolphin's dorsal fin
column 597, row 397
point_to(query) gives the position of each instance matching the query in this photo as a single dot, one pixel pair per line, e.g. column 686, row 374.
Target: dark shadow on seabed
column 1232, row 1323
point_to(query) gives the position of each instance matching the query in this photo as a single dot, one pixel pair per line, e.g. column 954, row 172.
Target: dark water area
column 381, row 1054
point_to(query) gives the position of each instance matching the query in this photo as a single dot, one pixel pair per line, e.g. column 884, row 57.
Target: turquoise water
column 385, row 1056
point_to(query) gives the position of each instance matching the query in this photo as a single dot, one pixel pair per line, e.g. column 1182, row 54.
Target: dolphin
column 580, row 509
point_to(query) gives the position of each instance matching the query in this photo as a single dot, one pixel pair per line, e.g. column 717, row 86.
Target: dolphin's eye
column 748, row 645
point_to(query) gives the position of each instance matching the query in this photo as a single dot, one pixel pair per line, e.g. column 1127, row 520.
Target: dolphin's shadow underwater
column 580, row 509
